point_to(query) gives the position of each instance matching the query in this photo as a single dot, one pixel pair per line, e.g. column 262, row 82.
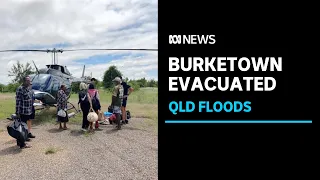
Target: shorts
column 25, row 118
column 116, row 109
column 124, row 102
column 32, row 116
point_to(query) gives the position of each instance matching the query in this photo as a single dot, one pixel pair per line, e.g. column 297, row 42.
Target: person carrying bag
column 19, row 130
column 62, row 101
column 92, row 115
column 95, row 102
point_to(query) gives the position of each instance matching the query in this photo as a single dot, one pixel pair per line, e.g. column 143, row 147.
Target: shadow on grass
column 10, row 150
column 134, row 128
column 13, row 141
column 76, row 132
column 45, row 116
column 55, row 130
column 112, row 130
column 50, row 116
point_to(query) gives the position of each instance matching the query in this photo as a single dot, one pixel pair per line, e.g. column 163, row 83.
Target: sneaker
column 84, row 130
column 126, row 121
column 31, row 136
column 104, row 123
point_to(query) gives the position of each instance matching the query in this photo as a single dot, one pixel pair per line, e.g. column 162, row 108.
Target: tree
column 152, row 83
column 109, row 75
column 18, row 71
column 75, row 87
column 12, row 87
column 134, row 84
column 142, row 82
column 2, row 87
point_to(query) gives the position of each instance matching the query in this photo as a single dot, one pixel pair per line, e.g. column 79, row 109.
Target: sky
column 78, row 24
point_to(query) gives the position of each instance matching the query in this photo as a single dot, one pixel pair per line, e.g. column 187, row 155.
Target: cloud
column 75, row 24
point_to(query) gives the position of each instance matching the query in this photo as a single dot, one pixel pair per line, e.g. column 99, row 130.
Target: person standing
column 93, row 81
column 62, row 102
column 33, row 109
column 84, row 104
column 24, row 103
column 117, row 97
column 127, row 90
column 95, row 99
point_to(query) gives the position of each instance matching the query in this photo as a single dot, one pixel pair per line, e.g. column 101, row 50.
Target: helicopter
column 46, row 82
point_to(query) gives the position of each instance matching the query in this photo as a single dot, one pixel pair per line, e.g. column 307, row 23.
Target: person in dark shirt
column 127, row 90
column 33, row 109
column 24, row 103
column 85, row 105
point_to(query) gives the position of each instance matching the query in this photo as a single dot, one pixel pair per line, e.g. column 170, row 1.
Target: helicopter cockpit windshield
column 40, row 81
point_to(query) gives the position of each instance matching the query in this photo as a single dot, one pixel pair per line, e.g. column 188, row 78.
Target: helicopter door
column 55, row 86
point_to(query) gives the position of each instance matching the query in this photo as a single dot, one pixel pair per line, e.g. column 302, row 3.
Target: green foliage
column 106, row 84
column 11, row 87
column 2, row 87
column 98, row 84
column 75, row 87
column 134, row 84
column 142, row 82
column 152, row 83
column 18, row 71
column 109, row 75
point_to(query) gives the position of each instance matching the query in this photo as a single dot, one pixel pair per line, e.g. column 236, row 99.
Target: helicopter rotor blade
column 35, row 67
column 24, row 50
column 47, row 51
column 111, row 50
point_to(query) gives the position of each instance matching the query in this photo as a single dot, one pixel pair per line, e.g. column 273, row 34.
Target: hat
column 117, row 79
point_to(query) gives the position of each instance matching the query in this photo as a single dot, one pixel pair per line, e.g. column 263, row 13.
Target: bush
column 75, row 87
column 135, row 85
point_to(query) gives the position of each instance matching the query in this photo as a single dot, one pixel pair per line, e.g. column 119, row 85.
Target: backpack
column 128, row 115
column 95, row 102
column 83, row 98
column 110, row 109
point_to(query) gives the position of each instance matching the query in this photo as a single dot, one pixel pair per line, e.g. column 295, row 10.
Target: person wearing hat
column 117, row 97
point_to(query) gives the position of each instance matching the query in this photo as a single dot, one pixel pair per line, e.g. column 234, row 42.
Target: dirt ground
column 131, row 153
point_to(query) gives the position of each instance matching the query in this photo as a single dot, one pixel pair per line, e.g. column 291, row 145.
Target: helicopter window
column 66, row 70
column 55, row 67
column 62, row 69
column 31, row 76
column 55, row 84
column 41, row 79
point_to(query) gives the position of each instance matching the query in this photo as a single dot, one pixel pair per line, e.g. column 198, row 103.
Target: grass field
column 141, row 104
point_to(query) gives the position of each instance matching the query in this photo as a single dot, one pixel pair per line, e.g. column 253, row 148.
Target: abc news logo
column 192, row 39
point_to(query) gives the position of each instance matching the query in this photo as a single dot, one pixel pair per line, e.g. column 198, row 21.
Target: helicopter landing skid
column 39, row 108
column 70, row 106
